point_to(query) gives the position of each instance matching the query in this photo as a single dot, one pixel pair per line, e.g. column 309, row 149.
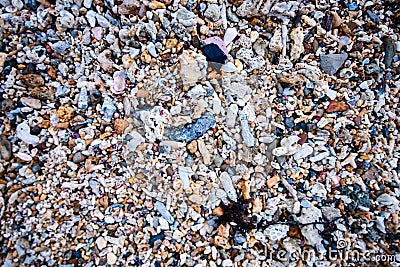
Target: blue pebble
column 154, row 238
column 352, row 6
column 374, row 130
column 305, row 203
column 366, row 165
column 195, row 130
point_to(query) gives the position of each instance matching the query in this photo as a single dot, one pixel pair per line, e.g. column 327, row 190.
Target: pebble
column 229, row 67
column 195, row 130
column 111, row 258
column 101, row 243
column 332, row 62
column 31, row 102
column 5, row 148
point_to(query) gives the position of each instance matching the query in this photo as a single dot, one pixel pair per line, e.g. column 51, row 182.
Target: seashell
column 23, row 133
column 229, row 67
column 118, row 85
column 160, row 207
column 230, row 35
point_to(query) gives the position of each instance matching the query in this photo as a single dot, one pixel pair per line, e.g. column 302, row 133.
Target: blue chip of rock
column 305, row 203
column 213, row 53
column 352, row 6
column 195, row 130
column 154, row 238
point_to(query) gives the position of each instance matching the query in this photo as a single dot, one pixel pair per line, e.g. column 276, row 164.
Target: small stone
column 23, row 156
column 65, row 113
column 184, row 175
column 160, row 207
column 213, row 12
column 156, row 5
column 32, row 80
column 60, row 47
column 336, row 106
column 97, row 33
column 195, row 130
column 192, row 147
column 247, row 135
column 111, row 258
column 389, row 47
column 83, row 99
column 120, row 125
column 105, row 62
column 3, row 57
column 135, row 141
column 228, row 67
column 108, row 108
column 78, row 157
column 31, row 102
column 336, row 20
column 332, row 62
column 23, row 133
column 214, row 53
column 171, row 43
column 101, row 243
column 272, row 181
column 5, row 148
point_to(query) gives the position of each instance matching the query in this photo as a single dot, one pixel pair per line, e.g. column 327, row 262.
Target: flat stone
column 111, row 258
column 5, row 148
column 101, row 243
column 31, row 102
column 331, row 63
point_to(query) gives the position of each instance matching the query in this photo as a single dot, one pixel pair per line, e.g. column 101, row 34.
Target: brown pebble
column 192, row 147
column 336, row 106
column 218, row 211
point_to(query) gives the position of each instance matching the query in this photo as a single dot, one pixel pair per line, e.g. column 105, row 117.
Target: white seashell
column 23, row 133
column 230, row 34
column 229, row 67
column 164, row 212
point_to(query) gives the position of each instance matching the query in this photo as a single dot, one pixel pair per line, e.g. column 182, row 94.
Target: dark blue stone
column 193, row 131
column 289, row 122
column 214, row 54
column 154, row 238
column 385, row 132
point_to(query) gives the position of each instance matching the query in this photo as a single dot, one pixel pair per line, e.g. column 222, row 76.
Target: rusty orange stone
column 218, row 211
column 336, row 106
column 272, row 181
